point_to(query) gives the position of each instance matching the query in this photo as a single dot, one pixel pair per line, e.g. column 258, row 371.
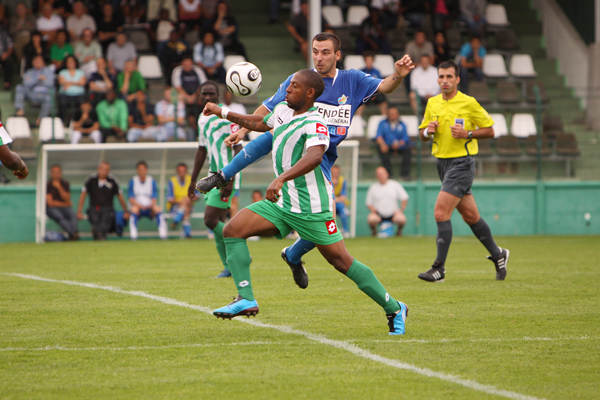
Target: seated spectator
column 471, row 61
column 22, row 25
column 378, row 99
column 172, row 55
column 171, row 118
column 186, row 79
column 37, row 86
column 226, row 28
column 160, row 30
column 87, row 51
column 61, row 8
column 79, row 20
column 424, row 83
column 235, row 107
column 72, row 87
column 209, row 12
column 49, row 24
column 101, row 81
column 6, row 62
column 35, row 47
column 143, row 194
column 415, row 49
column 190, row 12
column 414, row 12
column 472, row 13
column 340, row 193
column 372, row 35
column 382, row 200
column 120, row 52
column 392, row 139
column 442, row 51
column 389, row 11
column 141, row 119
column 209, row 55
column 60, row 49
column 134, row 11
column 154, row 7
column 102, row 187
column 130, row 81
column 85, row 123
column 112, row 115
column 178, row 203
column 298, row 28
column 108, row 25
column 443, row 12
column 58, row 203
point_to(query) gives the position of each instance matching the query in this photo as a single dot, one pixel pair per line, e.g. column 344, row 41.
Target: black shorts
column 193, row 110
column 457, row 175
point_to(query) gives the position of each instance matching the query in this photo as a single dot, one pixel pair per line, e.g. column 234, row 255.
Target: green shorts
column 318, row 228
column 213, row 199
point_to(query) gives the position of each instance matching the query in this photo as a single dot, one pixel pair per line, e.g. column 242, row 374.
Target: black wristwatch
column 470, row 135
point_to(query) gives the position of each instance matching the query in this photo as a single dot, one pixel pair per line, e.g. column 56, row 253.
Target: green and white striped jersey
column 4, row 137
column 212, row 132
column 292, row 136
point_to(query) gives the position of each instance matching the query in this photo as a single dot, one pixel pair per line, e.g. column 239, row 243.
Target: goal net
column 79, row 161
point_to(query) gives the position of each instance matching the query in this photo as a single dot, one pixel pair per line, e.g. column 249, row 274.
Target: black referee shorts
column 457, row 175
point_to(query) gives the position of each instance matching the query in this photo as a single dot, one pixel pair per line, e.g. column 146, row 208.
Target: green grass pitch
column 535, row 335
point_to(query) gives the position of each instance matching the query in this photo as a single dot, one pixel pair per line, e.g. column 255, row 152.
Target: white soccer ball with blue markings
column 243, row 79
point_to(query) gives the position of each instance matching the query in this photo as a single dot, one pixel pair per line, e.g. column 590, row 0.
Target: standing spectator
column 141, row 119
column 382, row 200
column 72, row 87
column 235, row 107
column 37, row 86
column 172, row 55
column 471, row 61
column 226, row 28
column 160, row 30
column 60, row 49
column 423, row 83
column 79, row 20
column 120, row 52
column 187, row 78
column 190, row 12
column 171, row 118
column 143, row 193
column 130, row 81
column 392, row 138
column 209, row 55
column 22, row 24
column 85, row 123
column 58, row 203
column 102, row 187
column 441, row 48
column 178, row 203
column 35, row 47
column 108, row 25
column 112, row 115
column 472, row 13
column 340, row 193
column 101, row 81
column 6, row 62
column 443, row 12
column 87, row 51
column 372, row 35
column 49, row 24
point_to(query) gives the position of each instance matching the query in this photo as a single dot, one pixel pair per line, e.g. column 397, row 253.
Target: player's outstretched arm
column 12, row 161
column 237, row 137
column 402, row 68
column 253, row 122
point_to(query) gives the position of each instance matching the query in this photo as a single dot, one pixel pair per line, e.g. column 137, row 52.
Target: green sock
column 238, row 260
column 218, row 231
column 366, row 281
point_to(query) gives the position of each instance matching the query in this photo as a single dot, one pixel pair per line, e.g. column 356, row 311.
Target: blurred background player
column 143, row 193
column 10, row 159
column 340, row 194
column 178, row 203
column 58, row 203
column 382, row 200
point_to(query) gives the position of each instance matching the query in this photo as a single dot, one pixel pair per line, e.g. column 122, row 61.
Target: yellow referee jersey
column 460, row 109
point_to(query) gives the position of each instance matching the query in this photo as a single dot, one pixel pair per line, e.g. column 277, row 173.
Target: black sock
column 484, row 234
column 443, row 239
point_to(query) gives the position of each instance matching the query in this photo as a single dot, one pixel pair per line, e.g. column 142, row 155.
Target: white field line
column 343, row 345
column 174, row 346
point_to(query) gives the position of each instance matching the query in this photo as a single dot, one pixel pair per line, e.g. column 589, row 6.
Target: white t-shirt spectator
column 424, row 81
column 49, row 24
column 385, row 198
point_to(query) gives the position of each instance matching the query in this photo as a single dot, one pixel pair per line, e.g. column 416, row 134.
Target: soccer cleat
column 397, row 320
column 433, row 275
column 500, row 263
column 216, row 179
column 224, row 274
column 239, row 306
column 298, row 270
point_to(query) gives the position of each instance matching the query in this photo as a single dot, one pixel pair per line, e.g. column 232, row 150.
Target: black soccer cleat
column 500, row 263
column 215, row 179
column 434, row 274
column 298, row 270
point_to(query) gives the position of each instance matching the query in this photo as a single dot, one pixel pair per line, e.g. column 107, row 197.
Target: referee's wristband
column 426, row 134
column 224, row 113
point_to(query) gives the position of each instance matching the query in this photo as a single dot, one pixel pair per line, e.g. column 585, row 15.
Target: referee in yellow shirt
column 455, row 122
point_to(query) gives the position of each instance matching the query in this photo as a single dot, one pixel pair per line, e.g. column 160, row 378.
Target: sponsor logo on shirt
column 235, row 128
column 331, row 227
column 459, row 121
column 321, row 129
column 342, row 99
column 335, row 115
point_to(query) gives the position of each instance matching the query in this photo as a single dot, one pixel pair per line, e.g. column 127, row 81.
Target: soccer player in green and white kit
column 212, row 131
column 300, row 198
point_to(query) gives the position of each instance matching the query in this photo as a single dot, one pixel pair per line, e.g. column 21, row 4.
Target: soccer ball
column 243, row 79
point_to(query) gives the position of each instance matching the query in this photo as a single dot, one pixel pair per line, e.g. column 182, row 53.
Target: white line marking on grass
column 175, row 346
column 343, row 345
column 523, row 339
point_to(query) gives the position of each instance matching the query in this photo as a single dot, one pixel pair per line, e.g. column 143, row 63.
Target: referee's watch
column 470, row 135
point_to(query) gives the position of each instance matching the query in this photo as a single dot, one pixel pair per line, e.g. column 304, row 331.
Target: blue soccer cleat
column 224, row 274
column 239, row 306
column 397, row 321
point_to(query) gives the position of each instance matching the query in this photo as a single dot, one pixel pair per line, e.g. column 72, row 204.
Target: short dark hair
column 449, row 64
column 323, row 36
column 212, row 83
column 312, row 80
column 181, row 164
column 368, row 53
column 141, row 162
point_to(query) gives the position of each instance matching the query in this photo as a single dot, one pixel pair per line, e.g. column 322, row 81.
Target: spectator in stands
column 392, row 139
column 378, row 99
column 471, row 61
column 72, row 86
column 85, row 123
column 419, row 46
column 389, row 12
column 235, row 107
column 178, row 203
column 6, row 62
column 172, row 55
column 472, row 13
column 209, row 55
column 372, row 35
column 340, row 192
column 101, row 81
column 415, row 11
column 141, row 119
column 226, row 28
column 37, row 86
column 79, row 20
column 58, row 203
column 443, row 12
column 102, row 187
column 35, row 47
column 171, row 117
column 154, row 7
column 61, row 8
column 298, row 28
column 442, row 51
column 22, row 24
column 160, row 30
column 134, row 11
column 187, row 78
column 108, row 25
column 87, row 51
column 209, row 12
column 49, row 24
column 382, row 200
column 60, row 49
column 143, row 194
column 423, row 83
column 112, row 115
column 120, row 52
column 189, row 13
column 130, row 81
